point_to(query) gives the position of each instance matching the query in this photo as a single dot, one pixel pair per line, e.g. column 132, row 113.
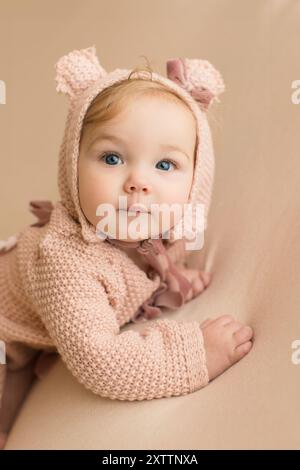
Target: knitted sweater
column 59, row 293
column 62, row 290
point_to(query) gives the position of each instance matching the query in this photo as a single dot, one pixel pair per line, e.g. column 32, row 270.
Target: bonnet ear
column 77, row 70
column 198, row 77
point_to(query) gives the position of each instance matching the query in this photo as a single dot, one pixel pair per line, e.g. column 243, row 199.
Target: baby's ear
column 198, row 77
column 77, row 70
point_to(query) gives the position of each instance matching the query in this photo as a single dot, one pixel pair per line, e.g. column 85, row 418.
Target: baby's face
column 145, row 154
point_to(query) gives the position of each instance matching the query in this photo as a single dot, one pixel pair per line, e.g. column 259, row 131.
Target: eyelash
column 105, row 154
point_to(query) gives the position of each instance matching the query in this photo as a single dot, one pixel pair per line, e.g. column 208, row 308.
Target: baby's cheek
column 180, row 188
column 93, row 191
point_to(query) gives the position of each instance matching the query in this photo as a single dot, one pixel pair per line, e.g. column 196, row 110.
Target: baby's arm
column 167, row 359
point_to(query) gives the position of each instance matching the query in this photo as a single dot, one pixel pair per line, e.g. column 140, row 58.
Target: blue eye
column 107, row 159
column 111, row 158
column 168, row 163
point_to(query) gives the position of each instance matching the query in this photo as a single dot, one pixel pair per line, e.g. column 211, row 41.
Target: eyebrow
column 114, row 138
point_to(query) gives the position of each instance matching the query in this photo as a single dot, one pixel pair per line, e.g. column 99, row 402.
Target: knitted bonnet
column 81, row 77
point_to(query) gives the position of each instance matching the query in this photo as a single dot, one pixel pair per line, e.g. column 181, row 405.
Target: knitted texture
column 60, row 293
column 63, row 289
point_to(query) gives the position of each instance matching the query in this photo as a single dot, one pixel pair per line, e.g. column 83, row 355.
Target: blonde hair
column 113, row 99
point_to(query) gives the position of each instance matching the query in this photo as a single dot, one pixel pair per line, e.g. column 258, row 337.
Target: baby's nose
column 137, row 186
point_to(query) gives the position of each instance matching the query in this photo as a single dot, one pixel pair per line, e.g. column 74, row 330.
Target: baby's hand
column 199, row 280
column 226, row 341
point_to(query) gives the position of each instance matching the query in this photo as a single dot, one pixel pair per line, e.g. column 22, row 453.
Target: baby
column 65, row 288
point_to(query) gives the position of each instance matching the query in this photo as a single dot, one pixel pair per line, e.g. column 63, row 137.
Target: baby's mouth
column 136, row 209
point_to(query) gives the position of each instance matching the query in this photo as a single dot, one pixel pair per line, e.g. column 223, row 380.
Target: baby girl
column 67, row 286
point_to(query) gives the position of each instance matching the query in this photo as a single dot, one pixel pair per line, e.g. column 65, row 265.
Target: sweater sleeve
column 166, row 359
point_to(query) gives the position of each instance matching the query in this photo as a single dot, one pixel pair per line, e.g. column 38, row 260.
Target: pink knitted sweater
column 58, row 292
column 63, row 290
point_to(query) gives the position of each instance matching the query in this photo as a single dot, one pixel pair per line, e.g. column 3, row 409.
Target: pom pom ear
column 198, row 77
column 77, row 70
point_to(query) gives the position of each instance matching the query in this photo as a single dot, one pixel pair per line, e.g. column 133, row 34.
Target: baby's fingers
column 243, row 349
column 198, row 286
column 206, row 277
column 243, row 334
column 205, row 322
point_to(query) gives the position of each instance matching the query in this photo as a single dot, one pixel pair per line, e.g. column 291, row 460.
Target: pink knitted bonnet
column 81, row 77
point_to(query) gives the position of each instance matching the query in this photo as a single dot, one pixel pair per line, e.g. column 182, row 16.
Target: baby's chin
column 135, row 236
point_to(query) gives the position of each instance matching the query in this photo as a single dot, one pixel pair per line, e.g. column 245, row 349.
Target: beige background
column 252, row 243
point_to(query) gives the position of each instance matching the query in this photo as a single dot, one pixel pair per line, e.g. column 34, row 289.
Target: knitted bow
column 198, row 77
